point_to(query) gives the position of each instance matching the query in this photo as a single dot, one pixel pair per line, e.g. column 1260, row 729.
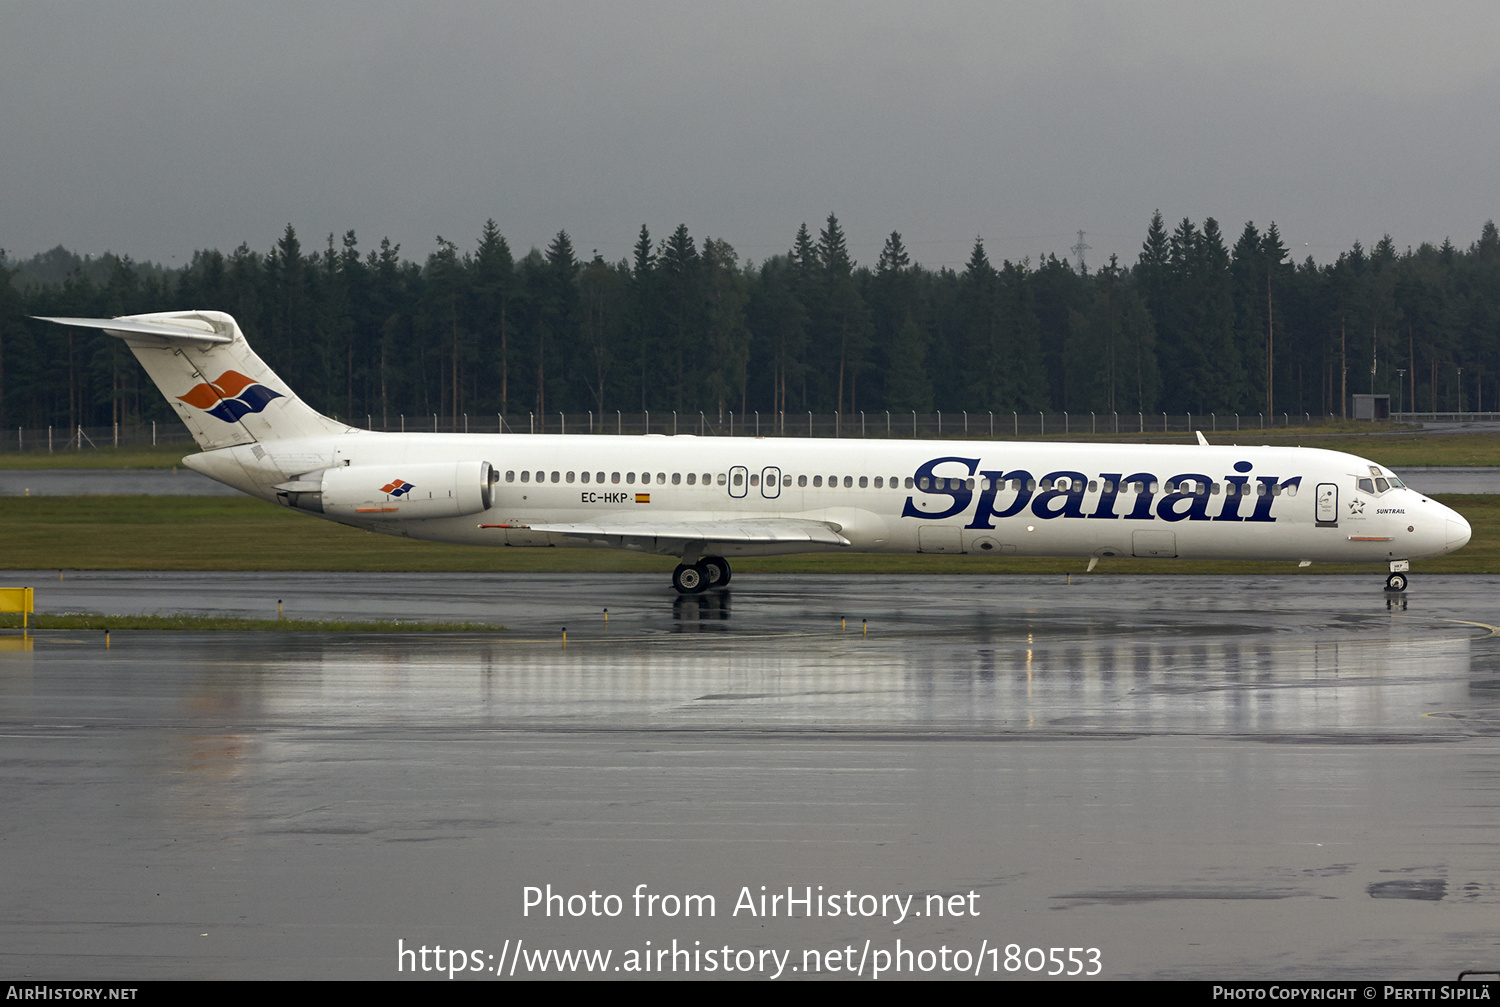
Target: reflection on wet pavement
column 1209, row 777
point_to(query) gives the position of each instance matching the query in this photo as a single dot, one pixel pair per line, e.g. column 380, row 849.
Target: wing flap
column 766, row 532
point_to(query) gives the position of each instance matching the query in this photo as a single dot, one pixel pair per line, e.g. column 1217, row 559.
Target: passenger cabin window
column 922, row 483
column 817, row 480
column 661, row 479
column 692, row 478
column 676, row 478
column 802, row 480
column 570, row 476
column 739, row 479
column 721, row 479
column 614, row 477
column 584, row 476
column 510, row 476
column 630, row 478
column 877, row 482
column 526, row 477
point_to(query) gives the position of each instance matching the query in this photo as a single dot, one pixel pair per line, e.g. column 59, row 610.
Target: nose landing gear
column 1397, row 579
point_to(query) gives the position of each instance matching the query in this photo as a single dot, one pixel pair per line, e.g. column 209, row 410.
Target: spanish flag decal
column 643, row 498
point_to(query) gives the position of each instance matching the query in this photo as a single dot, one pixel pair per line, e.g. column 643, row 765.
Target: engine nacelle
column 394, row 492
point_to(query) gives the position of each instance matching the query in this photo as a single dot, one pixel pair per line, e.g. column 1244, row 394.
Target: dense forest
column 1195, row 325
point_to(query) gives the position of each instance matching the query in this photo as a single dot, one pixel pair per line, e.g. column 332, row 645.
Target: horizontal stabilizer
column 764, row 532
column 188, row 331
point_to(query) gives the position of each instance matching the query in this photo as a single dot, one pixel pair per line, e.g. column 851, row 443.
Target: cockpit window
column 1381, row 485
column 1397, row 483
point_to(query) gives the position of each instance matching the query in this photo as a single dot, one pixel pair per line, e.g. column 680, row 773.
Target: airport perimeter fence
column 901, row 426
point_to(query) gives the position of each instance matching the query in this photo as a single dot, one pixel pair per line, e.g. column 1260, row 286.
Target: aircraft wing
column 760, row 532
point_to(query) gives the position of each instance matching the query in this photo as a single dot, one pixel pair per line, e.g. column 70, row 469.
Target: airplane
column 705, row 500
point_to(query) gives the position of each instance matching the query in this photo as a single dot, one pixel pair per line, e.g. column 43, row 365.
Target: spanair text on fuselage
column 705, row 499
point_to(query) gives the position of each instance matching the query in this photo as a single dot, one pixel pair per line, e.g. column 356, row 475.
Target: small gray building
column 1372, row 407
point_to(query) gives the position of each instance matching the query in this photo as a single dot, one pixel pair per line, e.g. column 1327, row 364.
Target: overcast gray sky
column 153, row 129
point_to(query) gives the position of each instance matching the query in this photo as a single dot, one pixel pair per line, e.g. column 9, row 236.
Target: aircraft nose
column 1459, row 532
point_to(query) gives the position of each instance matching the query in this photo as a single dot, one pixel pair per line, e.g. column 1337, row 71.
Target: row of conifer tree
column 1195, row 324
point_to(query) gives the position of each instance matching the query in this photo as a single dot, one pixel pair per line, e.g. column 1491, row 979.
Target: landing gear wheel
column 1396, row 582
column 718, row 570
column 690, row 579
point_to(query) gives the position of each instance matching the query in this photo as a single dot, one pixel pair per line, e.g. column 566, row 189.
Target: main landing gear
column 710, row 571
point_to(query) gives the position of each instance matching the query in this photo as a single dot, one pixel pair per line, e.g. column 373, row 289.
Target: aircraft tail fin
column 222, row 391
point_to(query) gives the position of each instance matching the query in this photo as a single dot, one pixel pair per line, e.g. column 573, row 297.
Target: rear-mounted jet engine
column 393, row 492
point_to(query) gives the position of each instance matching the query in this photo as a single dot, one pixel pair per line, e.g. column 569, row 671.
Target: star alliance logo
column 1356, row 508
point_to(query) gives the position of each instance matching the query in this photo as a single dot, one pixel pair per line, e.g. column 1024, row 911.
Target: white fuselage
column 668, row 494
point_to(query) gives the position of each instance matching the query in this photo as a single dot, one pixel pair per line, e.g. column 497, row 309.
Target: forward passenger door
column 1328, row 505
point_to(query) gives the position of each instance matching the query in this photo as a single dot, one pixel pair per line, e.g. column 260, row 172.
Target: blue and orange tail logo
column 230, row 396
column 397, row 488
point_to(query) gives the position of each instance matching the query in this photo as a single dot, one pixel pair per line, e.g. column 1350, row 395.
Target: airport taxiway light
column 565, row 637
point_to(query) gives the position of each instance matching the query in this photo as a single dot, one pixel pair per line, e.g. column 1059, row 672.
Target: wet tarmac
column 1256, row 777
column 1438, row 480
column 109, row 482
